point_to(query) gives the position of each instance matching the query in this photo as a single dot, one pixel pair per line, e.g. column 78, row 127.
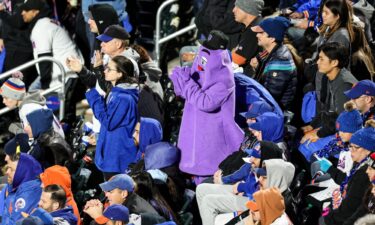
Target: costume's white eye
column 203, row 61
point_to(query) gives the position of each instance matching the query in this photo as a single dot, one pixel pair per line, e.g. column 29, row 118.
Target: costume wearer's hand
column 74, row 64
column 218, row 177
column 296, row 15
column 325, row 164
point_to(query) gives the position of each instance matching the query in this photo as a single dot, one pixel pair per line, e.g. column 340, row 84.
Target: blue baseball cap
column 120, row 181
column 274, row 27
column 363, row 87
column 113, row 31
column 117, row 212
column 256, row 109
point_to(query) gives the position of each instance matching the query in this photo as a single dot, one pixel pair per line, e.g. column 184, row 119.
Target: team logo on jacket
column 20, row 204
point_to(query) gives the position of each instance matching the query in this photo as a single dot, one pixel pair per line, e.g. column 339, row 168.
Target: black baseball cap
column 216, row 40
column 113, row 31
column 33, row 4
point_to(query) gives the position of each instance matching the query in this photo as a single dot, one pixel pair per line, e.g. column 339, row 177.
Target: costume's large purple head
column 213, row 63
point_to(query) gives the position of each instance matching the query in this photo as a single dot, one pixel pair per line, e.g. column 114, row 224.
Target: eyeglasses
column 106, row 68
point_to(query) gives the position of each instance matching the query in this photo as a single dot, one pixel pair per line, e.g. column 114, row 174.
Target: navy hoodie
column 65, row 214
column 23, row 194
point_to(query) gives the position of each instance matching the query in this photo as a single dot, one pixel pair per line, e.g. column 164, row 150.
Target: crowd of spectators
column 276, row 124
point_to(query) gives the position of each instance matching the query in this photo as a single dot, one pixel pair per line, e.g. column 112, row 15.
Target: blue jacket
column 66, row 214
column 115, row 147
column 240, row 174
column 24, row 193
column 249, row 90
column 150, row 132
column 309, row 8
column 278, row 74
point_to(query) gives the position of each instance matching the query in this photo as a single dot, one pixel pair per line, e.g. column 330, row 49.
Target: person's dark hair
column 14, row 157
column 146, row 188
column 336, row 51
column 345, row 12
column 57, row 194
column 144, row 56
column 126, row 67
column 362, row 51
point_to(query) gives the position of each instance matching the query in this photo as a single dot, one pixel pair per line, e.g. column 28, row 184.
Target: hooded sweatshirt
column 64, row 216
column 23, row 194
column 150, row 132
column 60, row 175
column 115, row 148
column 33, row 101
column 271, row 125
column 268, row 150
column 280, row 174
column 271, row 205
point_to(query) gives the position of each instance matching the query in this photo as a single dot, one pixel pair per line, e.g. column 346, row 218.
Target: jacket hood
column 150, row 132
column 212, row 66
column 271, row 205
column 170, row 154
column 279, row 173
column 104, row 15
column 271, row 125
column 152, row 71
column 40, row 121
column 58, row 175
column 34, row 97
column 124, row 88
column 27, row 169
column 65, row 213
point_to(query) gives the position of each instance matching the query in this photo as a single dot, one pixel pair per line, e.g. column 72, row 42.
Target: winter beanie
column 40, row 121
column 104, row 15
column 350, row 120
column 253, row 7
column 365, row 137
column 13, row 88
column 17, row 144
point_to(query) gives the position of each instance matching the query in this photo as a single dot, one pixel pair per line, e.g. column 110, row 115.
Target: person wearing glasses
column 348, row 197
column 117, row 114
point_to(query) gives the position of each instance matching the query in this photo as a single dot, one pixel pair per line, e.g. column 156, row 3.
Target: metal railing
column 158, row 40
column 49, row 90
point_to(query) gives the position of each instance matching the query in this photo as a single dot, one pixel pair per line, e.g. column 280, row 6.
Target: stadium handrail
column 61, row 86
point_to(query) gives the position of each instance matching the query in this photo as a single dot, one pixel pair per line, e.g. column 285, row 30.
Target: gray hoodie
column 279, row 173
column 33, row 101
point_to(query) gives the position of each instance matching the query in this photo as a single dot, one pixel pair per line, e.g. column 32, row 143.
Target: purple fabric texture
column 208, row 132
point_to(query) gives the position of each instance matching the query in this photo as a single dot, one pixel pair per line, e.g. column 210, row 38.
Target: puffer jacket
column 277, row 72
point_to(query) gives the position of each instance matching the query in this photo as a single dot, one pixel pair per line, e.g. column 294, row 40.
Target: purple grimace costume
column 208, row 132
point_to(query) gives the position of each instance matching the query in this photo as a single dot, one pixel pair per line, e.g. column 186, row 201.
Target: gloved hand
column 325, row 164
